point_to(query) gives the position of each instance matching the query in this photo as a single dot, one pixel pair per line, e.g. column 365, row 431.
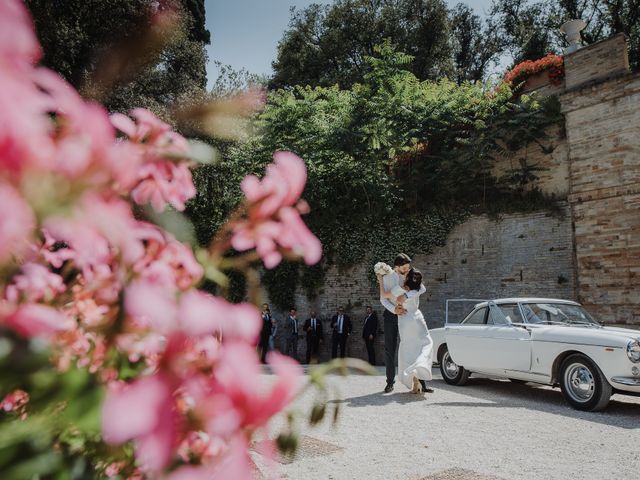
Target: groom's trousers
column 390, row 344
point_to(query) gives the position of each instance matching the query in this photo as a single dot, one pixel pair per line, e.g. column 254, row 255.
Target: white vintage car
column 545, row 341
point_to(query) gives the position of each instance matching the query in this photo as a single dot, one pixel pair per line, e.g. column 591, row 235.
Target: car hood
column 605, row 336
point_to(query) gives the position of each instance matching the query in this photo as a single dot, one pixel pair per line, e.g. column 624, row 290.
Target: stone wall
column 551, row 154
column 516, row 255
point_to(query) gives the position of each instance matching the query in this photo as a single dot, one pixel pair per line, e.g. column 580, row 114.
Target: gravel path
column 486, row 430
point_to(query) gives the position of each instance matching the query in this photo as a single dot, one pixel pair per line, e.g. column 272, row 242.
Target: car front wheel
column 583, row 384
column 452, row 373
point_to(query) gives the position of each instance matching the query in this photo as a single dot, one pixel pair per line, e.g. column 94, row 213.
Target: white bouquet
column 382, row 268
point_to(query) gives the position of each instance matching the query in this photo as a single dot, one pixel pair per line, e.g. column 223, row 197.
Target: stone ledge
column 585, row 95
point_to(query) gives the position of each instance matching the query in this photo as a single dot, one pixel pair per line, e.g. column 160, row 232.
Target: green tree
column 76, row 35
column 476, row 44
column 328, row 45
column 530, row 29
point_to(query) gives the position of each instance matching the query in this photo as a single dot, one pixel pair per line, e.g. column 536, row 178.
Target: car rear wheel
column 452, row 373
column 583, row 384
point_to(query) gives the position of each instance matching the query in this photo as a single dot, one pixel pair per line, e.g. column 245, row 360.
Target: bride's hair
column 414, row 279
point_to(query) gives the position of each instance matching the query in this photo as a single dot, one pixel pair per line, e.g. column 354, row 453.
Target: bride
column 415, row 354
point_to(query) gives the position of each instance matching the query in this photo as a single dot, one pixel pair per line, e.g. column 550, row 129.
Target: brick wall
column 597, row 61
column 553, row 158
column 602, row 117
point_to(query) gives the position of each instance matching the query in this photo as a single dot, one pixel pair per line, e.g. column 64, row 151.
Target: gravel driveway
column 487, row 430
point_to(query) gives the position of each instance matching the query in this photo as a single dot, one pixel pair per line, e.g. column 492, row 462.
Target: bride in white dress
column 415, row 353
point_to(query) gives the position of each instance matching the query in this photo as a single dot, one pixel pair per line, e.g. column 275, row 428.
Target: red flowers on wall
column 553, row 64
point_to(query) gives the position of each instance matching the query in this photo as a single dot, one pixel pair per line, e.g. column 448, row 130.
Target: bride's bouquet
column 382, row 268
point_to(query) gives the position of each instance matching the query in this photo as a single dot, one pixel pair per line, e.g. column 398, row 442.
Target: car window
column 557, row 313
column 476, row 318
column 531, row 315
column 512, row 312
column 497, row 316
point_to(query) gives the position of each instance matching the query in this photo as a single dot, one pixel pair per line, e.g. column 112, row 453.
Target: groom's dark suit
column 313, row 327
column 370, row 329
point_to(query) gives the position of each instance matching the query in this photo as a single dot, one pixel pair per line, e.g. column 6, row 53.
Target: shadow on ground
column 494, row 393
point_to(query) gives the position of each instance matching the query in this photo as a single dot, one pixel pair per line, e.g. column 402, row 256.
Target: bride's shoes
column 417, row 388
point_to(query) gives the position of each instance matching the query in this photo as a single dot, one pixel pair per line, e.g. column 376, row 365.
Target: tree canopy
column 76, row 35
column 327, row 44
column 530, row 29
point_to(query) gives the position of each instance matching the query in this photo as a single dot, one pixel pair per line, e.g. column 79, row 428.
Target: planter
column 536, row 81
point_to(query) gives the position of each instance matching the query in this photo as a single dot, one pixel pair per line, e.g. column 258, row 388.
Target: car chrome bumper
column 628, row 381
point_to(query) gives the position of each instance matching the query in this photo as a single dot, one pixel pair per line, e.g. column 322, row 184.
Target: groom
column 392, row 283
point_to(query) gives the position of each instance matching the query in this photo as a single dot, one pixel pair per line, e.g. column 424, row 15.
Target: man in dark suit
column 265, row 333
column 341, row 325
column 291, row 329
column 369, row 332
column 313, row 329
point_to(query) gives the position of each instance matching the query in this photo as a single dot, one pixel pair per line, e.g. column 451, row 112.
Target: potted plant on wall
column 533, row 74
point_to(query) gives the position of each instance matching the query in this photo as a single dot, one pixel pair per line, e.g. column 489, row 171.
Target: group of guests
column 313, row 330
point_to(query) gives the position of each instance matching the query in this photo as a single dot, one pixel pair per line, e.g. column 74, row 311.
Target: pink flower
column 235, row 463
column 273, row 225
column 142, row 411
column 160, row 180
column 113, row 469
column 180, row 257
column 164, row 182
column 281, row 186
column 17, row 402
column 202, row 314
column 16, row 223
column 152, row 306
column 32, row 320
column 34, row 283
column 18, row 42
column 238, row 397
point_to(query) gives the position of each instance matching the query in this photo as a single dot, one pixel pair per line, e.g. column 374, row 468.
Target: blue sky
column 245, row 33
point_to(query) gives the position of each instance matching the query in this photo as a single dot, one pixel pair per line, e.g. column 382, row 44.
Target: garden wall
column 523, row 254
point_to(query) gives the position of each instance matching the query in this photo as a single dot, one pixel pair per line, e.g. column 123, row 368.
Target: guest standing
column 265, row 333
column 313, row 329
column 341, row 325
column 291, row 329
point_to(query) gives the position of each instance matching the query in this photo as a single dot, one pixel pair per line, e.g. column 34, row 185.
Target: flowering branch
column 114, row 296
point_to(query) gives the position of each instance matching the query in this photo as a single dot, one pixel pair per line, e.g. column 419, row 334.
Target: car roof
column 499, row 301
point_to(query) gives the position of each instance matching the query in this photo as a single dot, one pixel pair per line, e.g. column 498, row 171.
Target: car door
column 493, row 346
column 462, row 338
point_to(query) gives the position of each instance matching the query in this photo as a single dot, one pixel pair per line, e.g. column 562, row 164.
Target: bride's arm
column 383, row 292
column 411, row 293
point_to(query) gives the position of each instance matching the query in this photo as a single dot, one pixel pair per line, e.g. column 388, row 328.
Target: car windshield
column 557, row 313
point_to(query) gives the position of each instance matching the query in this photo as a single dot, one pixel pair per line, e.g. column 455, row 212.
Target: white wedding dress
column 415, row 354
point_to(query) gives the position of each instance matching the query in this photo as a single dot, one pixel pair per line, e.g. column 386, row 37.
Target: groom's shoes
column 425, row 389
column 388, row 388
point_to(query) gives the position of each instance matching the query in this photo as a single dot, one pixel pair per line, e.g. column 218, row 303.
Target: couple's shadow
column 380, row 399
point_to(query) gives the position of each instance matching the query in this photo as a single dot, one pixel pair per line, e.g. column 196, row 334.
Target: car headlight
column 633, row 350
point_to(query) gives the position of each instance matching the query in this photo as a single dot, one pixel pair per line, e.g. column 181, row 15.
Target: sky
column 245, row 33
